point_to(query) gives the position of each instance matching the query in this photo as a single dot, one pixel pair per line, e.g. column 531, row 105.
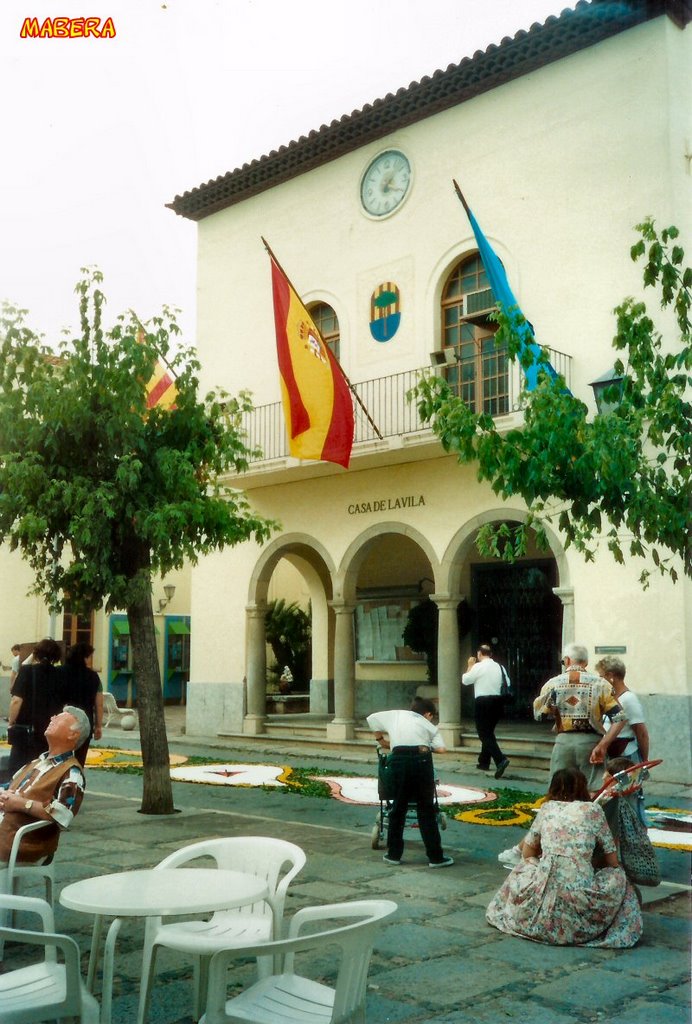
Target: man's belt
column 578, row 729
column 411, row 750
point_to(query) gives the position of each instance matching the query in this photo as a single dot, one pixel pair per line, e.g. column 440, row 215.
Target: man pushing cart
column 408, row 776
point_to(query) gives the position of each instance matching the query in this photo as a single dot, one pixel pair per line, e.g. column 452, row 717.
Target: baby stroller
column 378, row 835
column 622, row 802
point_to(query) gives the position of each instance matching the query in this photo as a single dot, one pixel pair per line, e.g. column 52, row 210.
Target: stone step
column 528, row 750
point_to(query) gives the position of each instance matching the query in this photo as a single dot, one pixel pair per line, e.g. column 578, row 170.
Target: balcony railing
column 385, row 399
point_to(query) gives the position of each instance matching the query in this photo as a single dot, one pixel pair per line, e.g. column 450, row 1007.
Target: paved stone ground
column 436, row 961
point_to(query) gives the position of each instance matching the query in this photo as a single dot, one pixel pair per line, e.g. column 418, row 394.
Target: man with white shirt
column 486, row 675
column 16, row 663
column 409, row 776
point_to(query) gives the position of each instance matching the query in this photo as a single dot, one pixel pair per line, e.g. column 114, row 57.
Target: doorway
column 517, row 613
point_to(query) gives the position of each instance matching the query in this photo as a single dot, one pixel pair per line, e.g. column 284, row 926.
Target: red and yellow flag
column 317, row 400
column 161, row 389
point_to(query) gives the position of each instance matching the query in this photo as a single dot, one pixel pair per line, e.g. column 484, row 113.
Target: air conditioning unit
column 443, row 357
column 479, row 303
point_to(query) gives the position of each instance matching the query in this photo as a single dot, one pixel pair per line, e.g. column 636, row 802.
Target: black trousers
column 487, row 713
column 410, row 779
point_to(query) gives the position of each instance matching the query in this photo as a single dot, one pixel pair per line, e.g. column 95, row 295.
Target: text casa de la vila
column 386, row 504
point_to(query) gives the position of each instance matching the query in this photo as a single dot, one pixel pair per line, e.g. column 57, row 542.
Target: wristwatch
column 28, row 805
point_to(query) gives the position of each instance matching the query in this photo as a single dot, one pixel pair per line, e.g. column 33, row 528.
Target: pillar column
column 566, row 595
column 254, row 721
column 342, row 726
column 448, row 676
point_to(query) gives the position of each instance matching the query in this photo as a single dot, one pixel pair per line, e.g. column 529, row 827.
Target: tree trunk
column 157, row 793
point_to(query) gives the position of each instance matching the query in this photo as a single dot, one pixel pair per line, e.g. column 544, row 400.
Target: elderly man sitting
column 50, row 788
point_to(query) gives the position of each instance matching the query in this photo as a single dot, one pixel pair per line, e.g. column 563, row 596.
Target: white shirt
column 406, row 729
column 485, row 677
column 634, row 713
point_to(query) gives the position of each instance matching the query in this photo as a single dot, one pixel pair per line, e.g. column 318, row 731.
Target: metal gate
column 516, row 612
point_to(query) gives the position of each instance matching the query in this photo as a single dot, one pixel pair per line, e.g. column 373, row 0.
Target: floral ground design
column 670, row 827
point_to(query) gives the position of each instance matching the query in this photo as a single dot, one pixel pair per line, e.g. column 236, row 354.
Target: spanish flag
column 316, row 397
column 161, row 390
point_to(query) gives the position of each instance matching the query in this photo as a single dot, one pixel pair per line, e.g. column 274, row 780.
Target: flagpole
column 335, row 361
column 460, row 194
column 140, row 338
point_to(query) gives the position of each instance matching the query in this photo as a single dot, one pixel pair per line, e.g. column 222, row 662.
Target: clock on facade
column 385, row 184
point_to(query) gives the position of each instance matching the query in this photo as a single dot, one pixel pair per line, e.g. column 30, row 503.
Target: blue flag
column 505, row 299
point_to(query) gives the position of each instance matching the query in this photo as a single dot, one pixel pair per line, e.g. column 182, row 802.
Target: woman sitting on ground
column 554, row 895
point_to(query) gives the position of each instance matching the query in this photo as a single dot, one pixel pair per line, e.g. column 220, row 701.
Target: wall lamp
column 609, row 383
column 169, row 591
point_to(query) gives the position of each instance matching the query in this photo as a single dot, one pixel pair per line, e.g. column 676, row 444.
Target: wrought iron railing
column 386, row 401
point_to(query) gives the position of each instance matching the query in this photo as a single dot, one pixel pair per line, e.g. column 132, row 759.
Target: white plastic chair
column 110, row 708
column 287, row 997
column 262, row 856
column 47, row 989
column 15, row 873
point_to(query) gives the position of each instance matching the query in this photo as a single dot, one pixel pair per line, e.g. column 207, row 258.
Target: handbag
column 505, row 686
column 19, row 735
column 637, row 855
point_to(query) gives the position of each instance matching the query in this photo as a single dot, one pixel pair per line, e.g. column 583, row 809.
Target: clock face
column 385, row 183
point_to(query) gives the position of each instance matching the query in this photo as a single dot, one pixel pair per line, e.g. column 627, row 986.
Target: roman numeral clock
column 385, row 184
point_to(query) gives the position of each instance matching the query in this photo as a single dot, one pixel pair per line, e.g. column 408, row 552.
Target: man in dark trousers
column 410, row 777
column 485, row 675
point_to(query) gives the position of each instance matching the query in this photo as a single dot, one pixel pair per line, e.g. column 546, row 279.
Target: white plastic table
column 153, row 892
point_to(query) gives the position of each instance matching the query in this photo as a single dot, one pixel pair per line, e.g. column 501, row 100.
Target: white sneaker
column 510, row 858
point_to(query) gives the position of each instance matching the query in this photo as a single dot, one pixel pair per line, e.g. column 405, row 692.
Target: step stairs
column 526, row 744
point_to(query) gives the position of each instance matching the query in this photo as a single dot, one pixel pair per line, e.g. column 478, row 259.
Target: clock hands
column 387, row 185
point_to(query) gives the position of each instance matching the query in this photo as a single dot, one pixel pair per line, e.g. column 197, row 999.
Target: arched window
column 327, row 324
column 479, row 375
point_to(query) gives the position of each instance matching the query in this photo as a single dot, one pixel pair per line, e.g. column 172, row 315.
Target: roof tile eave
column 527, row 51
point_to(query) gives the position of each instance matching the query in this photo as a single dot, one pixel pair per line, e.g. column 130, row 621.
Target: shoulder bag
column 637, row 855
column 20, row 735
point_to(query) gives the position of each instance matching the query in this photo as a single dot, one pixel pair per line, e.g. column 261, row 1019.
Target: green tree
column 98, row 493
column 626, row 471
column 289, row 633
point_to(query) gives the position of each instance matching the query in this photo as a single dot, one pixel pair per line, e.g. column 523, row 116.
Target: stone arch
column 299, row 546
column 313, row 560
column 345, row 603
column 461, row 543
column 526, row 608
column 354, row 556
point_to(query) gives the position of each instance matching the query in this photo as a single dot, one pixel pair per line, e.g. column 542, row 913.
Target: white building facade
column 562, row 140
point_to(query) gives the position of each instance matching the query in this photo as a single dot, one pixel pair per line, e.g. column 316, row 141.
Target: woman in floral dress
column 554, row 895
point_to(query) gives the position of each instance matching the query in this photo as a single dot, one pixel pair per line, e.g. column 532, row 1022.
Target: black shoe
column 446, row 862
column 500, row 770
column 483, row 767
